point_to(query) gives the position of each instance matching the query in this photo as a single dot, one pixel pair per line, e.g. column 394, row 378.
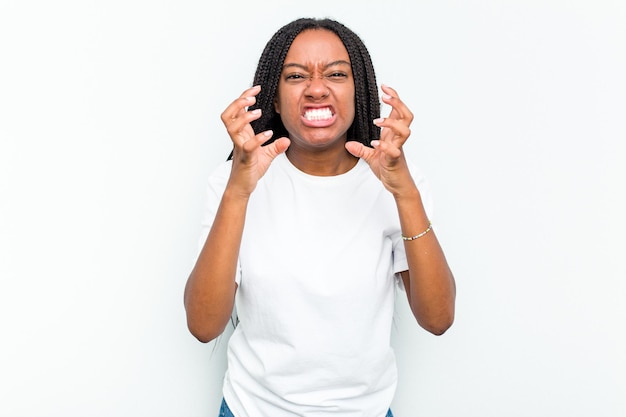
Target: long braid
column 366, row 94
column 269, row 69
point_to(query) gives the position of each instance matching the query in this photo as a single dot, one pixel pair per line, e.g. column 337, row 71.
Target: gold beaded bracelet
column 430, row 227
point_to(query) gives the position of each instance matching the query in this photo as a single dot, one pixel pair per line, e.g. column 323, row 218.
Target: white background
column 109, row 126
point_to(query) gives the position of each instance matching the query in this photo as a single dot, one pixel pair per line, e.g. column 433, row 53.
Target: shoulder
column 416, row 171
column 421, row 181
column 218, row 178
column 222, row 170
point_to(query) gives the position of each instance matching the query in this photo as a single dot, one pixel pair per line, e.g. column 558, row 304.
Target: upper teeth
column 318, row 114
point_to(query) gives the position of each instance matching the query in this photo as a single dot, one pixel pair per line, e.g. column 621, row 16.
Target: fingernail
column 378, row 121
column 386, row 96
column 268, row 133
column 375, row 143
column 256, row 111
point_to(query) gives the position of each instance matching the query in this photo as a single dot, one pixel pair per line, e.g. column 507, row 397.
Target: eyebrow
column 330, row 64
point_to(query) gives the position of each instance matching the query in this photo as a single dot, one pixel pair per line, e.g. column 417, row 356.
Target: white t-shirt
column 317, row 275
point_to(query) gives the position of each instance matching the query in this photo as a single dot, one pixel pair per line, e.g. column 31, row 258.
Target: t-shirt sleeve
column 400, row 263
column 214, row 191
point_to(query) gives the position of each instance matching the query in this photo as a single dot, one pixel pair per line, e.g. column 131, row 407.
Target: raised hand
column 386, row 158
column 250, row 159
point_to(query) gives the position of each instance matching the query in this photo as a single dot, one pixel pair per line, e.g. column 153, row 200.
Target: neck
column 323, row 163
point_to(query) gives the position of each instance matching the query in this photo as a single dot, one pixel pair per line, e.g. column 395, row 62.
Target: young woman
column 311, row 225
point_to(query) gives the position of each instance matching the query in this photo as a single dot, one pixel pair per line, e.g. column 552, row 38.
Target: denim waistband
column 225, row 411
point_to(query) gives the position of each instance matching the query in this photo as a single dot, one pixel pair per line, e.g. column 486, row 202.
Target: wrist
column 407, row 194
column 236, row 194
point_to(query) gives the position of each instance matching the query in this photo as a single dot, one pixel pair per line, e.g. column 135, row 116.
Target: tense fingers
column 237, row 118
column 394, row 130
column 396, row 125
column 399, row 110
column 387, row 149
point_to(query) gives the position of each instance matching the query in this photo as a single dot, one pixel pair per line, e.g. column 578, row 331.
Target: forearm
column 429, row 283
column 210, row 289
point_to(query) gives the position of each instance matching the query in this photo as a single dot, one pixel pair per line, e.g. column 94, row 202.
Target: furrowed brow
column 304, row 67
column 338, row 62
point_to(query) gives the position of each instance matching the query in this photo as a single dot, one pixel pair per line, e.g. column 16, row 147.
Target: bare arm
column 210, row 290
column 429, row 283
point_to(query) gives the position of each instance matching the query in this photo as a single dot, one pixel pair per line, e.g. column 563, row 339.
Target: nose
column 317, row 88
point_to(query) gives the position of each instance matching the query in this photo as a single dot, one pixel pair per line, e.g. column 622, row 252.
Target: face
column 316, row 90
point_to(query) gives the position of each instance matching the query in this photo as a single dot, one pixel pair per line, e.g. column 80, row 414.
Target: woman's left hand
column 386, row 158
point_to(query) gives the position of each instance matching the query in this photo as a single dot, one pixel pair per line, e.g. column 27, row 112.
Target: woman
column 313, row 222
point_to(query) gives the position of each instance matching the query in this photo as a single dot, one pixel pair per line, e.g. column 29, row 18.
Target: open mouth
column 316, row 115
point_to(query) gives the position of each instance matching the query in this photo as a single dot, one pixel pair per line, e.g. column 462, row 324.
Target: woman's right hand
column 250, row 159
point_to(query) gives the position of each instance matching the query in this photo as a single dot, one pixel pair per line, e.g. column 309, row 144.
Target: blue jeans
column 225, row 411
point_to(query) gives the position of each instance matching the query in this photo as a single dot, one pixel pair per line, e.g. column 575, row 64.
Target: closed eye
column 337, row 76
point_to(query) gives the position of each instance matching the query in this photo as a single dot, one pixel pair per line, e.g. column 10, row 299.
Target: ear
column 276, row 106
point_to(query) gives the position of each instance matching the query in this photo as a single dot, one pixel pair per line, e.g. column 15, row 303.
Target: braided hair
column 269, row 69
